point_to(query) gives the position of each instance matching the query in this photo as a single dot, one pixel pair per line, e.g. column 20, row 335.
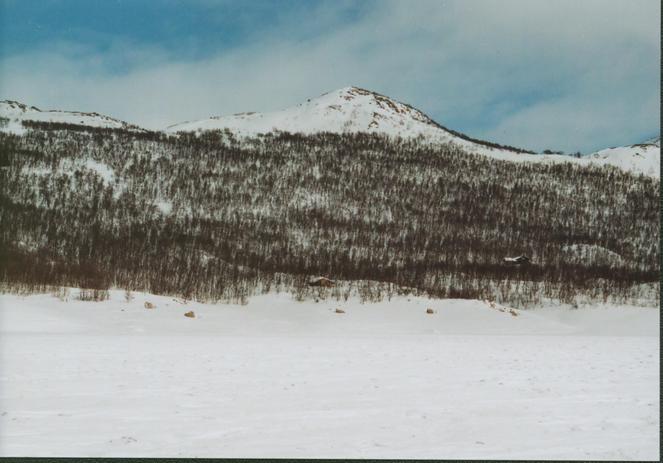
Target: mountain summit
column 347, row 110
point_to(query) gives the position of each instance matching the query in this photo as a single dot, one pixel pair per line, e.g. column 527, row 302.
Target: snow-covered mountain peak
column 346, row 110
column 15, row 113
column 349, row 109
column 354, row 109
column 367, row 110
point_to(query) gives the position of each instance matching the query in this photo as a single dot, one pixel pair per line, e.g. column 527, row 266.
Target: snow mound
column 642, row 158
column 15, row 113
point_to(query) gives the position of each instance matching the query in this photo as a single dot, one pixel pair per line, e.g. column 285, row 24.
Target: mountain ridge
column 644, row 157
column 347, row 110
column 16, row 112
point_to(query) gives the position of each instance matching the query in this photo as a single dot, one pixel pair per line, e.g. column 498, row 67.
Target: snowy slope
column 16, row 112
column 352, row 109
column 347, row 110
column 642, row 158
column 279, row 378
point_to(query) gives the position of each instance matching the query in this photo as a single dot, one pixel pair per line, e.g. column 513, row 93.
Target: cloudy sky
column 569, row 75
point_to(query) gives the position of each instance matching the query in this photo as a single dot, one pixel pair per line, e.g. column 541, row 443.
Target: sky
column 571, row 75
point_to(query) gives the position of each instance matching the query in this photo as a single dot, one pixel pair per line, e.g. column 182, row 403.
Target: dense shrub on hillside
column 208, row 216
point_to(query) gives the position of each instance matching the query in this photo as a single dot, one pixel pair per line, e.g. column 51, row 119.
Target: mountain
column 356, row 110
column 200, row 214
column 16, row 113
column 347, row 110
column 644, row 158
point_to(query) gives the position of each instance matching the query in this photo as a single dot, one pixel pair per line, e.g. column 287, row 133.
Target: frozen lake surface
column 280, row 378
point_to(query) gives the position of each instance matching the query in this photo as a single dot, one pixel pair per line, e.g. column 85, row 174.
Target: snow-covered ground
column 643, row 158
column 280, row 378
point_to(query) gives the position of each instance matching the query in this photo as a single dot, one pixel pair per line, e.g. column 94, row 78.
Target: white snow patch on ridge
column 17, row 112
column 643, row 158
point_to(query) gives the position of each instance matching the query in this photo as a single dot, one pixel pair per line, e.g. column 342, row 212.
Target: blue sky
column 562, row 74
column 188, row 29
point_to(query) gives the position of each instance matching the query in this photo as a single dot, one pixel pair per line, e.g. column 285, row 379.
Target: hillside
column 210, row 216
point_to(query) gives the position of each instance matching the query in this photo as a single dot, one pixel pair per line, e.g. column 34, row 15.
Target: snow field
column 278, row 378
column 642, row 159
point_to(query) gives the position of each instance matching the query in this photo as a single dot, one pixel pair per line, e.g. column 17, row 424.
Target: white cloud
column 535, row 73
